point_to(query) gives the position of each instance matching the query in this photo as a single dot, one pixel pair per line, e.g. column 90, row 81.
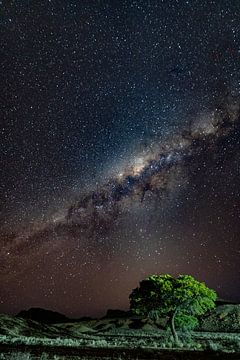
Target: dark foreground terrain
column 24, row 352
column 118, row 335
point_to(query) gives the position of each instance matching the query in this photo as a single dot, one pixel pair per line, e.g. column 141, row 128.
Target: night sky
column 120, row 149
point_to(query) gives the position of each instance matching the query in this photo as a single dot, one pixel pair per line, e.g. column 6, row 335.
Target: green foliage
column 186, row 321
column 162, row 295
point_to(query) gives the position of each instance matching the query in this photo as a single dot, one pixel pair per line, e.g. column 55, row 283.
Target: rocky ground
column 119, row 333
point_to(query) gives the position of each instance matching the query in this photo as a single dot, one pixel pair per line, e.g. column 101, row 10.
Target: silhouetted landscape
column 118, row 335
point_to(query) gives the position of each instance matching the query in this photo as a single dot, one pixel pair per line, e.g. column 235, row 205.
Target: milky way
column 97, row 209
column 95, row 212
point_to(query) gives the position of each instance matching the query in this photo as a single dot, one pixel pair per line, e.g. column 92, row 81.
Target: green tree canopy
column 182, row 299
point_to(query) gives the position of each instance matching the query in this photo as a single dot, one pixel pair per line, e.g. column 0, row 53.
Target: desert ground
column 119, row 336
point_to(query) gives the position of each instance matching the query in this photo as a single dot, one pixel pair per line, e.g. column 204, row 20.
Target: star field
column 119, row 149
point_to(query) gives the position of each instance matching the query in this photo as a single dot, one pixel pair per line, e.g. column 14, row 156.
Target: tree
column 182, row 300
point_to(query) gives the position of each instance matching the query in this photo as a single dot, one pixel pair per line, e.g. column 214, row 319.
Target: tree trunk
column 172, row 326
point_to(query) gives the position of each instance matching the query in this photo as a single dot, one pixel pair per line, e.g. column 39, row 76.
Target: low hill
column 225, row 318
column 43, row 316
column 15, row 326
